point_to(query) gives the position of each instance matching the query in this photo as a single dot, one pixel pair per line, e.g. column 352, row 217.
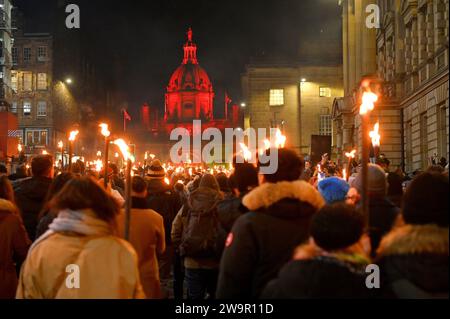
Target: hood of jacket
column 204, row 199
column 417, row 254
column 284, row 199
column 7, row 207
column 34, row 188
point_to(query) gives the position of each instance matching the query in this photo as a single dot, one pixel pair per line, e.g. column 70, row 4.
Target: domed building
column 189, row 92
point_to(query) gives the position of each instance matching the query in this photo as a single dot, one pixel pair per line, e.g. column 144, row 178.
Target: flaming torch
column 129, row 158
column 106, row 133
column 375, row 137
column 61, row 149
column 367, row 105
column 280, row 139
column 72, row 137
column 246, row 153
column 350, row 156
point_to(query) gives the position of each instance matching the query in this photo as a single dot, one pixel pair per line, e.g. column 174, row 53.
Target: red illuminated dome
column 189, row 92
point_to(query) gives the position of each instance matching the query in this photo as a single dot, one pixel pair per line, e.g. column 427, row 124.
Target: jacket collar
column 415, row 239
column 269, row 194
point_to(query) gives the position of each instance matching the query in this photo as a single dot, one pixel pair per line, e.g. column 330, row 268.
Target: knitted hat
column 333, row 189
column 209, row 181
column 377, row 180
column 426, row 200
column 337, row 226
column 156, row 171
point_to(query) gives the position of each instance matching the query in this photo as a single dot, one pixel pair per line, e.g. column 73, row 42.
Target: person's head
column 209, row 181
column 426, row 200
column 245, row 177
column 395, row 186
column 156, row 171
column 42, row 166
column 376, row 179
column 289, row 168
column 337, row 226
column 138, row 187
column 6, row 190
column 223, row 182
column 333, row 189
column 82, row 193
column 3, row 169
column 113, row 167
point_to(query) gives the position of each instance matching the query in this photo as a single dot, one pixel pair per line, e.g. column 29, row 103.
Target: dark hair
column 337, row 226
column 41, row 165
column 84, row 193
column 57, row 184
column 6, row 190
column 245, row 177
column 290, row 166
column 3, row 169
column 223, row 182
column 21, row 170
column 426, row 200
column 138, row 184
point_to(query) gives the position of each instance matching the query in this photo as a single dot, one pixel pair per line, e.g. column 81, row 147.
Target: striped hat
column 156, row 171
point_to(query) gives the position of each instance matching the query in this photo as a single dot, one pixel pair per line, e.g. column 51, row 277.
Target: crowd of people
column 297, row 233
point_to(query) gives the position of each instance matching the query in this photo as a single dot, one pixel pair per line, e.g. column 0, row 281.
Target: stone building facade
column 294, row 97
column 406, row 60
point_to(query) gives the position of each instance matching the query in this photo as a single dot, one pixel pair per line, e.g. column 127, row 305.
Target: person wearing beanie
column 262, row 240
column 332, row 264
column 413, row 258
column 382, row 212
column 195, row 231
column 333, row 189
column 165, row 201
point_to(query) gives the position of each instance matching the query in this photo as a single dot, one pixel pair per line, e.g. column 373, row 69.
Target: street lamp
column 243, row 104
column 68, row 81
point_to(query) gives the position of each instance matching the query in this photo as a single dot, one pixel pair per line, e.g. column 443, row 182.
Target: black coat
column 319, row 277
column 229, row 210
column 262, row 240
column 30, row 194
column 414, row 262
column 165, row 201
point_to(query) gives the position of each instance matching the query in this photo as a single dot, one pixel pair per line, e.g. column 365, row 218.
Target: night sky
column 147, row 36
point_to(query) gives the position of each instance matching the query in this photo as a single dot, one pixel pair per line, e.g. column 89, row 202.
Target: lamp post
column 106, row 133
column 72, row 137
column 128, row 157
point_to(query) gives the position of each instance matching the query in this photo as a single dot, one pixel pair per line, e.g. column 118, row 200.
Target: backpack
column 203, row 236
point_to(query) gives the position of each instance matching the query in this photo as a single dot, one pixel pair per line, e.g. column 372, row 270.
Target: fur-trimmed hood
column 415, row 239
column 269, row 194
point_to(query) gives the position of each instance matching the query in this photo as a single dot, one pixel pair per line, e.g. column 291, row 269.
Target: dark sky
column 147, row 36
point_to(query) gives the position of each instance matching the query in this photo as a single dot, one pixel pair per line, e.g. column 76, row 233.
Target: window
column 424, row 139
column 26, row 108
column 42, row 53
column 42, row 81
column 15, row 55
column 325, row 124
column 36, row 137
column 324, row 92
column 443, row 139
column 14, row 107
column 276, row 97
column 42, row 109
column 14, row 81
column 27, row 81
column 26, row 54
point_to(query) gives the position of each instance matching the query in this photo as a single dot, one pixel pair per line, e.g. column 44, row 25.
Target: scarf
column 82, row 222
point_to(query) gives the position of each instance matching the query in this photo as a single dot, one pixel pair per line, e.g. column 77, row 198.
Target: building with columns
column 406, row 60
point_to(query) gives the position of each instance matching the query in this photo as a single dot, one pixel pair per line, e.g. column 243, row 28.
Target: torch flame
column 44, row 152
column 73, row 135
column 105, row 132
column 344, row 174
column 166, row 180
column 19, row 148
column 60, row 144
column 245, row 152
column 99, row 153
column 350, row 154
column 374, row 135
column 124, row 149
column 266, row 144
column 152, row 156
column 368, row 100
column 146, row 156
column 280, row 139
column 98, row 165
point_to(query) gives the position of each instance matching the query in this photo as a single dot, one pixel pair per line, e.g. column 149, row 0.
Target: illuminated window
column 276, row 97
column 42, row 53
column 324, row 92
column 27, row 81
column 41, row 109
column 26, row 54
column 15, row 55
column 42, row 81
column 36, row 137
column 26, row 108
column 325, row 124
column 14, row 81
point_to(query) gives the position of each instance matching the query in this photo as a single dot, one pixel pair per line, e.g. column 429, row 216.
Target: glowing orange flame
column 245, row 152
column 124, row 149
column 146, row 156
column 19, row 148
column 104, row 129
column 60, row 144
column 344, row 174
column 166, row 180
column 351, row 154
column 98, row 165
column 280, row 139
column 44, row 152
column 73, row 135
column 368, row 100
column 99, row 153
column 374, row 135
column 152, row 156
